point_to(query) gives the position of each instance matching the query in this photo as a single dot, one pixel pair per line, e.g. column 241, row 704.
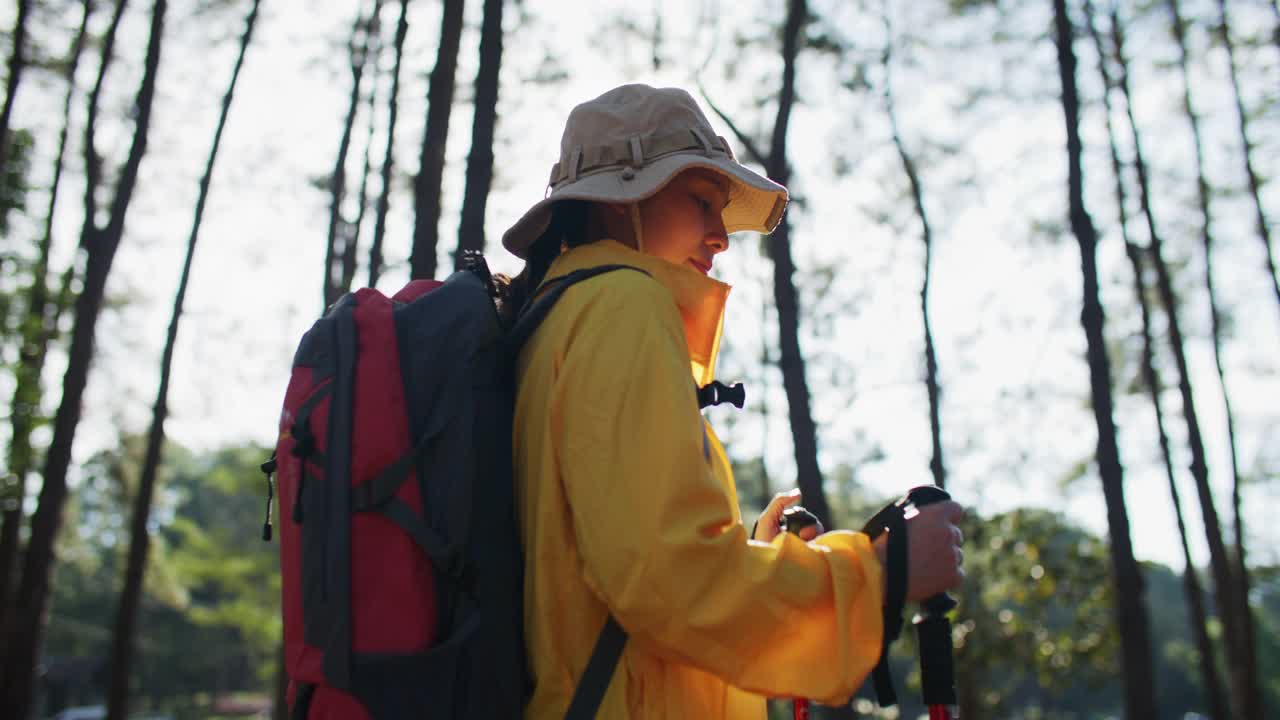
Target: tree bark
column 38, row 331
column 480, row 161
column 1197, row 615
column 388, row 160
column 93, row 179
column 1131, row 615
column 427, row 184
column 778, row 245
column 1249, row 685
column 1255, row 184
column 17, row 63
column 139, row 537
column 338, row 237
column 1252, row 698
column 351, row 234
column 100, row 243
column 1275, row 31
column 93, row 161
column 1219, row 561
column 936, row 465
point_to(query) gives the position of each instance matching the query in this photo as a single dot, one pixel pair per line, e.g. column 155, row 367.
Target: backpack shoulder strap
column 536, row 311
column 598, row 673
column 612, row 639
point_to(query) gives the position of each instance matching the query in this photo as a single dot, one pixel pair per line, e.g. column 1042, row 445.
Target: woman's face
column 682, row 222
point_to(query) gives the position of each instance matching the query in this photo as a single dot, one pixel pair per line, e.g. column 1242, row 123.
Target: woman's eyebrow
column 706, row 183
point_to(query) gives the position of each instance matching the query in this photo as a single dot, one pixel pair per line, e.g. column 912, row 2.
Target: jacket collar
column 700, row 299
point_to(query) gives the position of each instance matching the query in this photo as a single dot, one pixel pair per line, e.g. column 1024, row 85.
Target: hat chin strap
column 635, row 226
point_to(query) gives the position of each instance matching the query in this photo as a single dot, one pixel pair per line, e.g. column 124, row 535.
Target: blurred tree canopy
column 1036, row 630
column 14, row 268
column 210, row 618
column 13, row 178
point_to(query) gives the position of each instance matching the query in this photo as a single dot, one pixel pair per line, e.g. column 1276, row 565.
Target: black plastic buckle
column 717, row 393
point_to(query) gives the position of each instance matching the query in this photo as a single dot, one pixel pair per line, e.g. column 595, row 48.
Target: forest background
column 1028, row 257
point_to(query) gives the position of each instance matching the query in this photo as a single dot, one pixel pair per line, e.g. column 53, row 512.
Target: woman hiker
column 627, row 507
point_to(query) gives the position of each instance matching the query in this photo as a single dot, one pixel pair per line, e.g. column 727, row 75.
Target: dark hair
column 567, row 228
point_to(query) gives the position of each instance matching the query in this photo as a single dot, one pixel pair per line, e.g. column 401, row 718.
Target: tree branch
column 747, row 143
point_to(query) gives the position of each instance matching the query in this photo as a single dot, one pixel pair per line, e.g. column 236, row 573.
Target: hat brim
column 756, row 203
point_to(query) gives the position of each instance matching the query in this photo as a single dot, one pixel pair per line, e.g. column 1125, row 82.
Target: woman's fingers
column 811, row 532
column 777, row 505
column 770, row 523
column 936, row 561
column 784, row 500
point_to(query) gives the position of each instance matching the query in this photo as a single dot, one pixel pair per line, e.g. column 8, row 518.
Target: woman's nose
column 717, row 238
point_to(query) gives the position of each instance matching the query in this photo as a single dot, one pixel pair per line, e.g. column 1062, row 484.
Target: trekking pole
column 933, row 634
column 933, row 627
column 795, row 519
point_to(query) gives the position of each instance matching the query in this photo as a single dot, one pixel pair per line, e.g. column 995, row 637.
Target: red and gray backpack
column 399, row 550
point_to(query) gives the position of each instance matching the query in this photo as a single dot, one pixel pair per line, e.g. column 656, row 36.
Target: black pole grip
column 796, row 518
column 922, row 495
column 937, row 660
column 933, row 628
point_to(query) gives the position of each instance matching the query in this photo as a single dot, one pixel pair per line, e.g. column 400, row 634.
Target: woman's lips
column 704, row 268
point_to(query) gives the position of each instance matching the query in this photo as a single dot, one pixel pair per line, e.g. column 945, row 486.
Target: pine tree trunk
column 17, row 63
column 1197, row 615
column 1255, row 184
column 1275, row 32
column 93, row 161
column 23, row 649
column 936, row 465
column 93, row 180
column 351, row 236
column 1131, row 616
column 778, row 244
column 338, row 236
column 427, row 184
column 37, row 333
column 1249, row 687
column 122, row 645
column 1220, row 562
column 388, row 160
column 480, row 161
column 1253, row 702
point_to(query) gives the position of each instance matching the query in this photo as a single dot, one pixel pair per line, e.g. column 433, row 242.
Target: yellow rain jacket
column 627, row 505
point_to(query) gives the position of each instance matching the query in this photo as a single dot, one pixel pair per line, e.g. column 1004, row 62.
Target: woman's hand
column 770, row 522
column 935, row 560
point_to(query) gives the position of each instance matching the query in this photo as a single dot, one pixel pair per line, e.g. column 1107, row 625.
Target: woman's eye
column 702, row 203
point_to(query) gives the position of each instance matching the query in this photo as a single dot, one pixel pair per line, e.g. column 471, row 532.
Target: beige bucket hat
column 627, row 144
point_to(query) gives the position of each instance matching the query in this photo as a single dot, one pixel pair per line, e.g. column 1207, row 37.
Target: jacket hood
column 700, row 299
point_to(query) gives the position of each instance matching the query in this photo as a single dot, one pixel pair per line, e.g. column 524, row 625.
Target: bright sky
column 1005, row 298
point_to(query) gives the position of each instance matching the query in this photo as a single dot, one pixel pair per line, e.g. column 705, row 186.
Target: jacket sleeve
column 657, row 533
